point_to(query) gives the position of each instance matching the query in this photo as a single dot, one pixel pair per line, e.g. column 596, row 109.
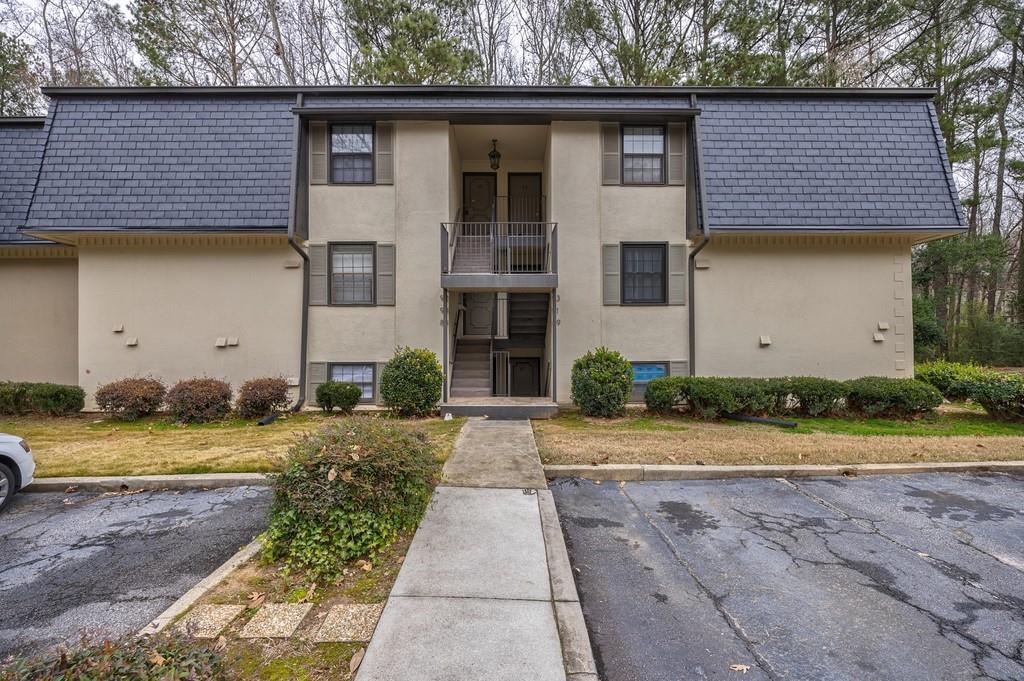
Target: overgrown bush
column 348, row 490
column 199, row 400
column 14, row 398
column 411, row 381
column 601, row 383
column 953, row 379
column 813, row 396
column 339, row 395
column 162, row 657
column 708, row 398
column 129, row 399
column 663, row 394
column 893, row 397
column 261, row 396
column 1002, row 395
column 51, row 399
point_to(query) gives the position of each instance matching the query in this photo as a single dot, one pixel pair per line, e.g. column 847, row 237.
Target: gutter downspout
column 705, row 229
column 296, row 245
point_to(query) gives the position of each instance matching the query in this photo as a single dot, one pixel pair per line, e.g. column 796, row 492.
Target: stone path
column 475, row 597
column 341, row 623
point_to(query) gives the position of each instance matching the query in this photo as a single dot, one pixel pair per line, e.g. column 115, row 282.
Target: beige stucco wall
column 408, row 214
column 39, row 320
column 588, row 215
column 819, row 298
column 177, row 301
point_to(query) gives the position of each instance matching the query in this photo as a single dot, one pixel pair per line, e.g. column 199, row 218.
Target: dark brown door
column 479, row 191
column 525, row 201
column 525, row 377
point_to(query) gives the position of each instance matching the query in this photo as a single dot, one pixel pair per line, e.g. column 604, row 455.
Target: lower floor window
column 360, row 374
column 645, row 372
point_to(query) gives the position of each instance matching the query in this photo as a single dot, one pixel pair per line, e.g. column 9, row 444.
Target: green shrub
column 14, row 398
column 56, row 400
column 338, row 395
column 953, row 379
column 348, row 490
column 601, row 383
column 813, row 396
column 259, row 397
column 663, row 394
column 151, row 658
column 411, row 382
column 893, row 397
column 708, row 398
column 199, row 400
column 129, row 399
column 752, row 396
column 1002, row 395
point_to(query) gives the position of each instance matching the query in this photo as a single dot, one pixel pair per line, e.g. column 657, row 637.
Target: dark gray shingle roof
column 21, row 147
column 838, row 163
column 175, row 162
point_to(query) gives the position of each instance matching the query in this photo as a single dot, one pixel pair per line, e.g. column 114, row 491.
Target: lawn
column 952, row 434
column 91, row 445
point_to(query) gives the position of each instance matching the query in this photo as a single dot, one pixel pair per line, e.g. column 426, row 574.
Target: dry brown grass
column 575, row 440
column 90, row 445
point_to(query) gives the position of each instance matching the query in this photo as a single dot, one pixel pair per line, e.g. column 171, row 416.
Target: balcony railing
column 499, row 247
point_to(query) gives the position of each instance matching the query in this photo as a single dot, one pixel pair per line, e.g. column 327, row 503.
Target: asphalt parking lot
column 917, row 577
column 105, row 565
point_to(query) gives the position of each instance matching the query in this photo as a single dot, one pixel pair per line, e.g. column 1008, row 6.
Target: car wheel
column 6, row 486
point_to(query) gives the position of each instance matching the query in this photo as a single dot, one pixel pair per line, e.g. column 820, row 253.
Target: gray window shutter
column 676, row 154
column 385, row 153
column 385, row 274
column 610, row 266
column 318, row 152
column 679, row 367
column 316, row 376
column 611, row 162
column 378, row 370
column 319, row 275
column 676, row 274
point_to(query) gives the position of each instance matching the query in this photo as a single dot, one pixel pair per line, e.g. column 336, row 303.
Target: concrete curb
column 635, row 472
column 164, row 619
column 118, row 483
column 577, row 655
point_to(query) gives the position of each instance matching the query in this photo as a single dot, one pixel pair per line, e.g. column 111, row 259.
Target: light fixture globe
column 494, row 155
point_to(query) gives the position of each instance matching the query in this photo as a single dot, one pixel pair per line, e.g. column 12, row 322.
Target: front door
column 478, row 313
column 525, row 377
column 479, row 193
column 524, row 197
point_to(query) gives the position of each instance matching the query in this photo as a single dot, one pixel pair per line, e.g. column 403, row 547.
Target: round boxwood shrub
column 816, row 396
column 753, row 396
column 348, row 490
column 955, row 380
column 199, row 400
column 893, row 397
column 601, row 383
column 261, row 396
column 410, row 383
column 662, row 394
column 129, row 399
column 1002, row 395
column 708, row 398
column 339, row 395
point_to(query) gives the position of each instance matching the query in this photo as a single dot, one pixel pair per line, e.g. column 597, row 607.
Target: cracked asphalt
column 74, row 564
column 917, row 577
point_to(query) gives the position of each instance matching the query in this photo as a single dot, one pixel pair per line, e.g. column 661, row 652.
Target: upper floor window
column 352, row 274
column 643, row 154
column 352, row 154
column 643, row 274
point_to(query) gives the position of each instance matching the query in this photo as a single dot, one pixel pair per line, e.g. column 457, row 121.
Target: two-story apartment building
column 308, row 232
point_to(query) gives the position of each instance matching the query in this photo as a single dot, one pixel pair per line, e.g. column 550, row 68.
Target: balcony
column 499, row 255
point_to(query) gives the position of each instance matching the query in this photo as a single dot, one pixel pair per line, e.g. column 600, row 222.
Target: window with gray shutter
column 643, row 154
column 385, row 153
column 318, row 152
column 362, row 375
column 677, row 274
column 352, row 154
column 319, row 285
column 610, row 284
column 316, row 376
column 643, row 274
column 611, row 160
column 352, row 274
column 676, row 153
column 385, row 274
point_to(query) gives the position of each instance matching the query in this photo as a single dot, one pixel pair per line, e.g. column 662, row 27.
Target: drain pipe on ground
column 702, row 200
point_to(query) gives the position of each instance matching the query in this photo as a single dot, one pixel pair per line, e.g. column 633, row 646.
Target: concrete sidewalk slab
column 446, row 639
column 276, row 620
column 208, row 620
column 495, row 454
column 478, row 543
column 353, row 622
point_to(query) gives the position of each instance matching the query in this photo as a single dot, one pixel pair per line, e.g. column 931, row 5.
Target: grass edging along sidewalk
column 652, row 472
column 122, row 483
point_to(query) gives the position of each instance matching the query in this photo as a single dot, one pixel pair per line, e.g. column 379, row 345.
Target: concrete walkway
column 474, row 599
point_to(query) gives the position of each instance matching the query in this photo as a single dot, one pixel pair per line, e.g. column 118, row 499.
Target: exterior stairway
column 528, row 314
column 472, row 255
column 471, row 371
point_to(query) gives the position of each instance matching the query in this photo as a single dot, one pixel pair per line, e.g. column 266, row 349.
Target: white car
column 16, row 467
